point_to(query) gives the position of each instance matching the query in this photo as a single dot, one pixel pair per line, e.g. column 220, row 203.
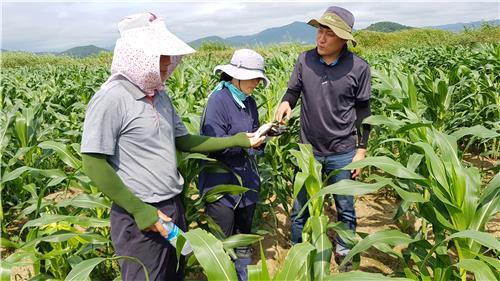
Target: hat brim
column 338, row 31
column 157, row 40
column 241, row 73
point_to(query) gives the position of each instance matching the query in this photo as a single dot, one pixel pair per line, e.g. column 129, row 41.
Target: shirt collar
column 132, row 88
column 335, row 62
column 331, row 64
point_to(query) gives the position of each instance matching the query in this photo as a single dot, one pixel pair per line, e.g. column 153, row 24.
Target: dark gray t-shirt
column 138, row 137
column 329, row 94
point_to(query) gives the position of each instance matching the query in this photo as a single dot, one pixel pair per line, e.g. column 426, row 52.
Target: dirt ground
column 374, row 212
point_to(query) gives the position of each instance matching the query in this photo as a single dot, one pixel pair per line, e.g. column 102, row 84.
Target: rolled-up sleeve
column 364, row 89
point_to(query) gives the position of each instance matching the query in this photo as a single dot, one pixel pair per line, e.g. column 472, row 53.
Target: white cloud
column 59, row 25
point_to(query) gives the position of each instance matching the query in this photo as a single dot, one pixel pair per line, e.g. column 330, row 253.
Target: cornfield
column 431, row 107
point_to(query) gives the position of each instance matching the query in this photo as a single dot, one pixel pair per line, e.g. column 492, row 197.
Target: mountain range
column 458, row 27
column 77, row 52
column 301, row 32
column 298, row 32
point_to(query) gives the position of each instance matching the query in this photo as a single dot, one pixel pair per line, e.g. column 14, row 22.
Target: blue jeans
column 343, row 203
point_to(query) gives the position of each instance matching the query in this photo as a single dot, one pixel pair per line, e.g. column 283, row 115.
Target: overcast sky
column 60, row 25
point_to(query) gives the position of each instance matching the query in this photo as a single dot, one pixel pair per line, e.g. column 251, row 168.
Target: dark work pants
column 344, row 203
column 234, row 221
column 153, row 250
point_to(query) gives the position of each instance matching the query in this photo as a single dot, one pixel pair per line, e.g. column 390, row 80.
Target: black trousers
column 152, row 249
column 232, row 221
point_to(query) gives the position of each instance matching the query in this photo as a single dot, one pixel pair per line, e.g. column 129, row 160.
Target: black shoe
column 346, row 267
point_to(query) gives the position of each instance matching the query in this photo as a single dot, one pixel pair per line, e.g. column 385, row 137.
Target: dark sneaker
column 244, row 252
column 346, row 267
column 244, row 255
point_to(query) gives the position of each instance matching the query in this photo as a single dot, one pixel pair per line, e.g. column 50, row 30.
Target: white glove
column 262, row 131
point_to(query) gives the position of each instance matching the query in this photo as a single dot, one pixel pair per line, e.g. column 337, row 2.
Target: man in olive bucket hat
column 334, row 85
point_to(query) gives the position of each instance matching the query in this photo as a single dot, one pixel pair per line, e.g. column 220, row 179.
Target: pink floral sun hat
column 144, row 38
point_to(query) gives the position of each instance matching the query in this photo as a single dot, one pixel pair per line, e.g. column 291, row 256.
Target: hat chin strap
column 239, row 84
column 247, row 68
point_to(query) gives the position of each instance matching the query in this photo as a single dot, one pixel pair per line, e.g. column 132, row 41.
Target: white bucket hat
column 245, row 64
column 147, row 32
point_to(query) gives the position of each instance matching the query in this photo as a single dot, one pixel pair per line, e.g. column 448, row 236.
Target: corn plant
column 431, row 106
column 452, row 199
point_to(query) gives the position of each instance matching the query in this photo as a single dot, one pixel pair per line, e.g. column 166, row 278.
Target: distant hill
column 458, row 27
column 78, row 52
column 213, row 39
column 387, row 26
column 299, row 32
column 296, row 32
column 83, row 51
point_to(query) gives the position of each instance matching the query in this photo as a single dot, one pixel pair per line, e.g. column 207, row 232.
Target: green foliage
column 433, row 101
column 20, row 59
column 213, row 46
column 369, row 41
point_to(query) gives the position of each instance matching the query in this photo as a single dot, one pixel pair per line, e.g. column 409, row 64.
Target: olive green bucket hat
column 339, row 20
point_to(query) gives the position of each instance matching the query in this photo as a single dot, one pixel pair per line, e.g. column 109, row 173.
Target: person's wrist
column 361, row 152
column 242, row 140
column 145, row 216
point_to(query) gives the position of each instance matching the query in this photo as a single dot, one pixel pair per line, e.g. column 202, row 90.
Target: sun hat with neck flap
column 143, row 39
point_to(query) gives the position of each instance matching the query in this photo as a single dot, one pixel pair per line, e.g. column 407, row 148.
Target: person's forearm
column 107, row 180
column 204, row 144
column 363, row 130
column 363, row 133
column 361, row 152
column 291, row 97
